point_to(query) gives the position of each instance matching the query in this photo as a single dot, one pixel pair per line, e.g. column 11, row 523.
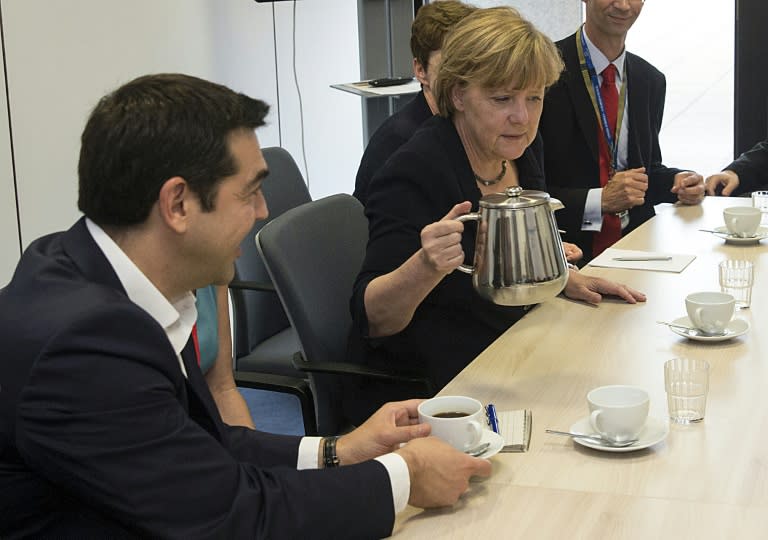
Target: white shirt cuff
column 593, row 213
column 399, row 479
column 397, row 469
column 309, row 449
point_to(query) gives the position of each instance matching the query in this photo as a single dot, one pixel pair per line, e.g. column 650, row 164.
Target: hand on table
column 441, row 241
column 439, row 473
column 728, row 179
column 590, row 289
column 689, row 187
column 624, row 191
column 394, row 423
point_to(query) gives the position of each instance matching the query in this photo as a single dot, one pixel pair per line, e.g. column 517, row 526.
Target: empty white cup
column 710, row 312
column 742, row 221
column 618, row 412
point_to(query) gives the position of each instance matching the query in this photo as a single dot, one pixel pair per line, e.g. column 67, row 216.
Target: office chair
column 264, row 341
column 313, row 254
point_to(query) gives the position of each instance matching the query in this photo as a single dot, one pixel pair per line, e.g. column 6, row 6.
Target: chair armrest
column 287, row 385
column 346, row 368
column 251, row 285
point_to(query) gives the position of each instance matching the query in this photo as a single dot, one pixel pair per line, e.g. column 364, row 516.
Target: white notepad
column 675, row 262
column 515, row 427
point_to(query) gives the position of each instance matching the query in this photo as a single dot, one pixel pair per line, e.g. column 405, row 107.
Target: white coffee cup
column 710, row 312
column 618, row 412
column 742, row 221
column 458, row 420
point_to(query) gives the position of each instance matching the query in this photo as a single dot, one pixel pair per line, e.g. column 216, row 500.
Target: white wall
column 327, row 54
column 556, row 18
column 697, row 59
column 63, row 56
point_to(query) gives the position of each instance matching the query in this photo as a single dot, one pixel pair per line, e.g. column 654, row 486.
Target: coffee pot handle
column 472, row 216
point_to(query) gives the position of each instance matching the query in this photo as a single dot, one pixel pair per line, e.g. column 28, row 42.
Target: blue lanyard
column 593, row 87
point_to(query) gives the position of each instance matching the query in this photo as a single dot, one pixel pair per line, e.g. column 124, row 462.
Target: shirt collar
column 175, row 318
column 600, row 61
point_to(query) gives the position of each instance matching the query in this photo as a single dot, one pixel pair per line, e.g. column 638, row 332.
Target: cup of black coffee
column 458, row 420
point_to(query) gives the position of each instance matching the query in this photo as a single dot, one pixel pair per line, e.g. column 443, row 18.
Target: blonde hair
column 494, row 48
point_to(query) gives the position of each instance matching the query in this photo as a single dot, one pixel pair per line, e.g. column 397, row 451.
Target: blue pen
column 493, row 420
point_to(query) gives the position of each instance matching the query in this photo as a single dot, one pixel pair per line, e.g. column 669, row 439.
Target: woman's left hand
column 590, row 289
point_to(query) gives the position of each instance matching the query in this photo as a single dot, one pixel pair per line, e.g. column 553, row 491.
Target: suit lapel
column 582, row 104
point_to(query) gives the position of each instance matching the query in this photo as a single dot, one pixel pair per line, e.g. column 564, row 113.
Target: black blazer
column 391, row 135
column 752, row 168
column 570, row 131
column 101, row 435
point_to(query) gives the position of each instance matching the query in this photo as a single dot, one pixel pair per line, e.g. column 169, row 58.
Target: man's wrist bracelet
column 330, row 458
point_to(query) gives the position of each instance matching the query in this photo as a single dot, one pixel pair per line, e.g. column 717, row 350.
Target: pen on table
column 493, row 420
column 642, row 258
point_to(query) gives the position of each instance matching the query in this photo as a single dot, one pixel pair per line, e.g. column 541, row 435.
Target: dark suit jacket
column 570, row 131
column 102, row 436
column 752, row 168
column 391, row 135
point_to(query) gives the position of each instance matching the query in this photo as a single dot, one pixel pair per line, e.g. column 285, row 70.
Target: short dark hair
column 152, row 129
column 432, row 22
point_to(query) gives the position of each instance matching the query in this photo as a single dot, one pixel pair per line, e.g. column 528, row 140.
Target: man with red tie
column 600, row 125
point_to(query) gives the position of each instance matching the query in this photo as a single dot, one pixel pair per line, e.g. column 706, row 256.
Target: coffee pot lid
column 515, row 197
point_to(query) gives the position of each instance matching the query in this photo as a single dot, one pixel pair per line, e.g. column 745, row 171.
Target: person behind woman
column 410, row 309
column 215, row 346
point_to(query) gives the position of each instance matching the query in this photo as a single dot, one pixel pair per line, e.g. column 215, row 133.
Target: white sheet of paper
column 676, row 264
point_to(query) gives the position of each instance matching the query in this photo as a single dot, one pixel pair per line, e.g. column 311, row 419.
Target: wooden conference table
column 706, row 480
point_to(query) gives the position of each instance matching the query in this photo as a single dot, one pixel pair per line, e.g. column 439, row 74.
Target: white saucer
column 722, row 232
column 496, row 443
column 735, row 328
column 655, row 431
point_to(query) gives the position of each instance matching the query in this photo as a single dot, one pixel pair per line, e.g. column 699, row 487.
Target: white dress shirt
column 178, row 318
column 593, row 214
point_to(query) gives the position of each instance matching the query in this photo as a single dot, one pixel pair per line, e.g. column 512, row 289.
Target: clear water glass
column 736, row 279
column 687, row 383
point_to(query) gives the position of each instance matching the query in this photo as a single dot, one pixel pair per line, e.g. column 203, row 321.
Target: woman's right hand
column 441, row 241
column 391, row 299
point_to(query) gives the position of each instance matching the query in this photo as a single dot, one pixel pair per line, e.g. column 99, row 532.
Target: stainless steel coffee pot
column 519, row 257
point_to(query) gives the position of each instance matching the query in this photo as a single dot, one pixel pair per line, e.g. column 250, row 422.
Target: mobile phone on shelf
column 389, row 81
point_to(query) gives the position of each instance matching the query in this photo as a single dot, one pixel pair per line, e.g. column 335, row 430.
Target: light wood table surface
column 706, row 480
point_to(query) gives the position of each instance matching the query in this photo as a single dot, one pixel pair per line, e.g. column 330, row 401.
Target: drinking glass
column 760, row 200
column 736, row 279
column 687, row 382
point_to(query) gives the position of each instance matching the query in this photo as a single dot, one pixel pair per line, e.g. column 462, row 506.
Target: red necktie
column 611, row 230
column 196, row 343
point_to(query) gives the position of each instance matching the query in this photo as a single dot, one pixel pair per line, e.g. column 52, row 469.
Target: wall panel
column 9, row 230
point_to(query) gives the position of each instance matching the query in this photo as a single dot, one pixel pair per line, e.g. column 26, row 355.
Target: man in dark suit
column 598, row 211
column 749, row 172
column 107, row 428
